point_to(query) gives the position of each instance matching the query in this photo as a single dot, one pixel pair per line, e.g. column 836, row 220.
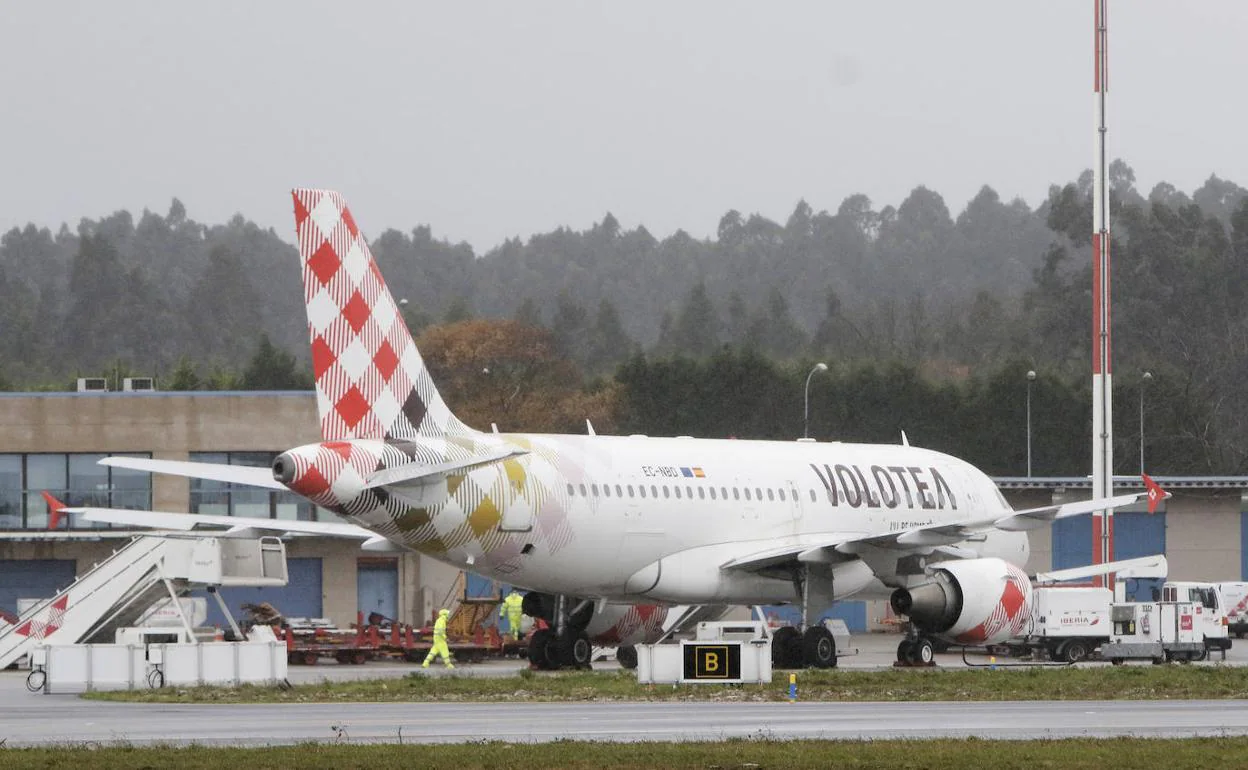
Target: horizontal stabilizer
column 1143, row 567
column 186, row 522
column 422, row 471
column 234, row 474
column 1034, row 518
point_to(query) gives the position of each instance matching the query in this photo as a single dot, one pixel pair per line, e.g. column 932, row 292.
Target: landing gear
column 543, row 650
column 563, row 643
column 790, row 648
column 786, row 648
column 918, row 651
column 626, row 656
column 818, row 647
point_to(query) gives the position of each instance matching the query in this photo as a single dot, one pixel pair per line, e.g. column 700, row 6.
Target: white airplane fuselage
column 631, row 518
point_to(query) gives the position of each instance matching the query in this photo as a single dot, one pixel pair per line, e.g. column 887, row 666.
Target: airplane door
column 517, row 497
column 795, row 501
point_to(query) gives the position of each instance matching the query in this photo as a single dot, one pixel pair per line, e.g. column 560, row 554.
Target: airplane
column 596, row 525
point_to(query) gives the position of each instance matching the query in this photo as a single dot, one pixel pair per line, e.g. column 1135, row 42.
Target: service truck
column 1067, row 623
column 1235, row 600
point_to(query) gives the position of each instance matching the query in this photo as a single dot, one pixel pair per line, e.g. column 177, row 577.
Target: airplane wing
column 942, row 537
column 251, row 476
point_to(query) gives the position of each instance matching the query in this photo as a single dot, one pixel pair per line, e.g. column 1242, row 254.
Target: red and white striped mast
column 1102, row 387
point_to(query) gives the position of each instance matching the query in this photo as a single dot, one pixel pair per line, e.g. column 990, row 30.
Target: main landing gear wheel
column 786, row 648
column 575, row 650
column 818, row 647
column 626, row 656
column 543, row 651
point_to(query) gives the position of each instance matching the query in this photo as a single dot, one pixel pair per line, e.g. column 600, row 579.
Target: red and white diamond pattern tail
column 370, row 379
column 48, row 625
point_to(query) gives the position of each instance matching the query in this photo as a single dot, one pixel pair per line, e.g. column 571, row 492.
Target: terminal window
column 74, row 478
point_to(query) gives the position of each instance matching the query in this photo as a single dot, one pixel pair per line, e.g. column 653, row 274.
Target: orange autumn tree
column 508, row 373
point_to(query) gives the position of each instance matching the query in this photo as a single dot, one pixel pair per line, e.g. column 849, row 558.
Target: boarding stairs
column 117, row 591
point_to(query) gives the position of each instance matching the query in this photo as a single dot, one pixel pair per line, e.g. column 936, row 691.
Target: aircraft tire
column 626, row 656
column 921, row 652
column 543, row 652
column 786, row 648
column 819, row 648
column 575, row 650
column 903, row 651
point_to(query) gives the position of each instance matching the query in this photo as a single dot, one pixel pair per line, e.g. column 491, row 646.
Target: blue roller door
column 1136, row 534
column 33, row 579
column 1243, row 546
column 299, row 598
column 377, row 589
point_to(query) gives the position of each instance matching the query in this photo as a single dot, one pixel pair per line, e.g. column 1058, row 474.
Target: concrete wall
column 1202, row 535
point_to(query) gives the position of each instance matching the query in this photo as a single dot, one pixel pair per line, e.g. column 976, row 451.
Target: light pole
column 819, row 367
column 1148, row 376
column 1031, row 377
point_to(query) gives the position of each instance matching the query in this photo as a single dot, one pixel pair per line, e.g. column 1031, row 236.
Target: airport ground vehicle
column 1235, row 600
column 1068, row 623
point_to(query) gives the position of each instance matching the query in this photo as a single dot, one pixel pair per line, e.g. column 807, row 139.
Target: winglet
column 1155, row 493
column 55, row 509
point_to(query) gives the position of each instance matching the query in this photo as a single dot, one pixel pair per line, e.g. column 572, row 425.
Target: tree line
column 920, row 314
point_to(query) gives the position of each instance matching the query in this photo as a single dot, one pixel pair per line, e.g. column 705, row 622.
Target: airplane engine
column 330, row 473
column 977, row 601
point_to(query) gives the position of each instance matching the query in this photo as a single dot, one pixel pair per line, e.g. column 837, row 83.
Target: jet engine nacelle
column 977, row 601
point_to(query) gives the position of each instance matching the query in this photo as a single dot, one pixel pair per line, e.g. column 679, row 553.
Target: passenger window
column 571, row 490
column 747, row 493
column 677, row 491
column 606, row 490
column 654, row 492
column 641, row 488
column 630, row 490
column 618, row 492
column 666, row 493
column 781, row 494
column 736, row 494
column 594, row 489
column 770, row 497
column 701, row 493
column 723, row 492
column 583, row 491
column 758, row 494
column 812, row 495
column 713, row 493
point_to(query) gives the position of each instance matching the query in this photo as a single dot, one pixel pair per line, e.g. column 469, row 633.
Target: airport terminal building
column 52, row 442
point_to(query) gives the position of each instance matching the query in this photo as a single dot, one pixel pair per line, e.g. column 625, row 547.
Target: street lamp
column 1148, row 376
column 819, row 367
column 1031, row 377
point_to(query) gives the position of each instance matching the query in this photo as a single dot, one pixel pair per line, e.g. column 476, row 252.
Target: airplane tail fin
column 56, row 509
column 370, row 380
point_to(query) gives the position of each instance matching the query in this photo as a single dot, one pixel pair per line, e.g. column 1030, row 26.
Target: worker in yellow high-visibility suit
column 512, row 605
column 439, row 641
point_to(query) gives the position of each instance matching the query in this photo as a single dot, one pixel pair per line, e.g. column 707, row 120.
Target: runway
column 35, row 719
column 76, row 721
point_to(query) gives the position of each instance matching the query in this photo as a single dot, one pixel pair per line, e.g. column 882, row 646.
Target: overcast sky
column 492, row 119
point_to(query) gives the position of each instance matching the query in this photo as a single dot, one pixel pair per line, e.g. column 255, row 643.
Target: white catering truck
column 1235, row 600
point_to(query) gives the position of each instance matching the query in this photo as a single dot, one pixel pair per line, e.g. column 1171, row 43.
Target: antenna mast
column 1102, row 389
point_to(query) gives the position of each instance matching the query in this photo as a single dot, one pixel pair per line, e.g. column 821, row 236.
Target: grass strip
column 1076, row 754
column 1099, row 683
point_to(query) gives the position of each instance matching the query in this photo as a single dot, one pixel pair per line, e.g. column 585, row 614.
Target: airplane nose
column 284, row 468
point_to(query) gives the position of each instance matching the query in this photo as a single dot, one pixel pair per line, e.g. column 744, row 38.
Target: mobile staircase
column 117, row 591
